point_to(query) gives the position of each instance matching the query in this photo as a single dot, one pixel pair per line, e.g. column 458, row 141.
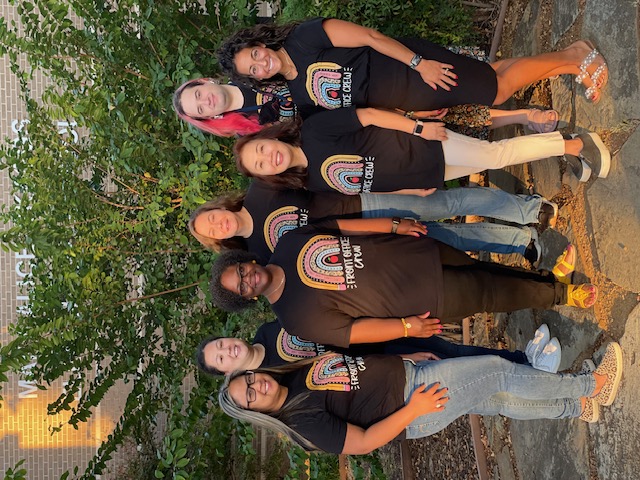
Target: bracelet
column 415, row 61
column 406, row 326
column 417, row 128
column 395, row 221
column 409, row 114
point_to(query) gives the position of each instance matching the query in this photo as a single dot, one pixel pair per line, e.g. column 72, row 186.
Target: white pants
column 466, row 155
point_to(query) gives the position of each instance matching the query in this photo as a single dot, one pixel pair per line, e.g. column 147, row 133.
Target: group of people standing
column 343, row 130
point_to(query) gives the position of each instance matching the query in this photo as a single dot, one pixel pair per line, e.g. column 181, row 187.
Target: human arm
column 395, row 121
column 365, row 226
column 418, row 192
column 349, row 35
column 372, row 330
column 419, row 356
column 423, row 401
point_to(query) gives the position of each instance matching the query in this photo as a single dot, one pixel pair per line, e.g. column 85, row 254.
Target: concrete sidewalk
column 601, row 218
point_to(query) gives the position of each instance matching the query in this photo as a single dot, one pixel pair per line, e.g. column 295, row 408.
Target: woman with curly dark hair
column 332, row 63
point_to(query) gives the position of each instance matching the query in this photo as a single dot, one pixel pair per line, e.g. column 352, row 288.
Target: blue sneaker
column 548, row 360
column 540, row 339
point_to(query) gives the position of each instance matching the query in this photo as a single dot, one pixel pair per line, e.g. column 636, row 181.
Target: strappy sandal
column 582, row 296
column 542, row 121
column 565, row 265
column 598, row 79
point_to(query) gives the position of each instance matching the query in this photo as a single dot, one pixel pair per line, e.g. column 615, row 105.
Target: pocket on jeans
column 423, row 429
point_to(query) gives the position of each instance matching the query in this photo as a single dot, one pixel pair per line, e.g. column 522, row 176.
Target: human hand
column 437, row 74
column 423, row 401
column 409, row 226
column 420, row 356
column 434, row 131
column 429, row 114
column 422, row 326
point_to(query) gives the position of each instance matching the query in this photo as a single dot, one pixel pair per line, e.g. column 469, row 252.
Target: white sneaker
column 549, row 358
column 535, row 346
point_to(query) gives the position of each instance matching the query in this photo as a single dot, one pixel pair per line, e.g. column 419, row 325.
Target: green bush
column 445, row 22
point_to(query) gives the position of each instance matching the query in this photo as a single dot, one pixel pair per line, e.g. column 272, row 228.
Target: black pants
column 471, row 286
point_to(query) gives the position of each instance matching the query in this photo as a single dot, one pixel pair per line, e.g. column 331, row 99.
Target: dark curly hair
column 223, row 298
column 272, row 36
column 202, row 365
column 287, row 132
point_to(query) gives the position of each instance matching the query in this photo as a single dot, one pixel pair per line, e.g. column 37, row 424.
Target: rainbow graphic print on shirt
column 320, row 265
column 291, row 348
column 324, row 82
column 344, row 173
column 335, row 372
column 278, row 223
column 268, row 93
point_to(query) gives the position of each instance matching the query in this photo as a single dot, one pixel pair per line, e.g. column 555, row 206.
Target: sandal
column 582, row 296
column 542, row 121
column 598, row 79
column 565, row 265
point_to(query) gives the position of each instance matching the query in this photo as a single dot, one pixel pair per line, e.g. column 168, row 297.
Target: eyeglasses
column 250, row 378
column 242, row 288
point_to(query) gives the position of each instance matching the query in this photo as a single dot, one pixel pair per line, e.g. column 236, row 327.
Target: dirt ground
column 449, row 454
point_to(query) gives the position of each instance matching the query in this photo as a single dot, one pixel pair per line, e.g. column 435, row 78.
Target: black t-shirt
column 332, row 77
column 328, row 77
column 344, row 389
column 276, row 212
column 272, row 103
column 346, row 157
column 332, row 280
column 281, row 348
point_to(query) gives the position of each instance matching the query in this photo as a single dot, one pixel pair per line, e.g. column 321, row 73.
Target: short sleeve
column 324, row 430
column 310, row 35
column 333, row 122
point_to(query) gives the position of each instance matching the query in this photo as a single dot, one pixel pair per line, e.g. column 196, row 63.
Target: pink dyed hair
column 230, row 123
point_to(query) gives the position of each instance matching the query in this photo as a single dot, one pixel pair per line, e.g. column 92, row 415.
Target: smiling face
column 227, row 354
column 218, row 223
column 257, row 62
column 246, row 279
column 269, row 394
column 266, row 157
column 205, row 101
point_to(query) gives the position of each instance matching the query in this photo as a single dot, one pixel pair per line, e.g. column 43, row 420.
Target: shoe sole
column 605, row 155
column 616, row 381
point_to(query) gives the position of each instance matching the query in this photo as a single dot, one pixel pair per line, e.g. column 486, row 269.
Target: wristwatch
column 415, row 61
column 417, row 128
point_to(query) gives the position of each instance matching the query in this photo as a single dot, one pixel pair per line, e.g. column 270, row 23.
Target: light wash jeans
column 483, row 236
column 475, row 237
column 490, row 385
column 482, row 201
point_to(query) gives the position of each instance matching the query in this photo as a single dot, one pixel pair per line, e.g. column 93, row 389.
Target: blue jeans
column 485, row 202
column 445, row 349
column 482, row 236
column 491, row 385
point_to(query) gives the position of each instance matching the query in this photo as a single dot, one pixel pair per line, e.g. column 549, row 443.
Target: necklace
column 275, row 289
column 287, row 59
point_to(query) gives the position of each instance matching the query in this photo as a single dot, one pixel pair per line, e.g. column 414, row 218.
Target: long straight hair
column 277, row 421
